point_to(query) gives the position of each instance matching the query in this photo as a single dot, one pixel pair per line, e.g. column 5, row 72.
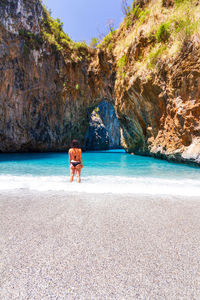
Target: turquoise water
column 105, row 171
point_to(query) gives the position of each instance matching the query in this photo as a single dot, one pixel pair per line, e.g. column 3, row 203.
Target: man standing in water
column 75, row 161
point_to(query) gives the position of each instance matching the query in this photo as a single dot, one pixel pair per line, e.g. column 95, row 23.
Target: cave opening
column 104, row 132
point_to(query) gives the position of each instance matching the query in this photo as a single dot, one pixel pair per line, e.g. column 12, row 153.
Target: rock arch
column 104, row 130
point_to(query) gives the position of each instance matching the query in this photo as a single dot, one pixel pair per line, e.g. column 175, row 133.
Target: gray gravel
column 61, row 246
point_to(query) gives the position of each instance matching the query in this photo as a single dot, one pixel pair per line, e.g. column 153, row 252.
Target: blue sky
column 84, row 19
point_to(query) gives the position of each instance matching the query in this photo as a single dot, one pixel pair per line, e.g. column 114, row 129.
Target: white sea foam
column 103, row 184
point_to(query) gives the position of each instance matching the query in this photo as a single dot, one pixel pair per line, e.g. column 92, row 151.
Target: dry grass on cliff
column 165, row 30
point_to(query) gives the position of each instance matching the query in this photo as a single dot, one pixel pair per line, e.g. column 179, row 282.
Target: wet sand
column 61, row 246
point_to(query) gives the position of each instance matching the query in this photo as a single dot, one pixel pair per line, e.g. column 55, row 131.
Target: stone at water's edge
column 104, row 130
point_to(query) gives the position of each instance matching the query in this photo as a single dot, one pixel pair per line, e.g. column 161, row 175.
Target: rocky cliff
column 157, row 87
column 48, row 85
column 104, row 130
column 148, row 70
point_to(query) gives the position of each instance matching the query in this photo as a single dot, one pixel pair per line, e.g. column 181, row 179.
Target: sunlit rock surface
column 158, row 93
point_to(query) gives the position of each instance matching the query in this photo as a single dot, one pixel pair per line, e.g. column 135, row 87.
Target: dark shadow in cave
column 104, row 130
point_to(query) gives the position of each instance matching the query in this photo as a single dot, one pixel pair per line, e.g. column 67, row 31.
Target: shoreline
column 102, row 185
column 72, row 246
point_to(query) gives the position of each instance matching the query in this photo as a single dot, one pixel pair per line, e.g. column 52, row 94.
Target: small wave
column 103, row 184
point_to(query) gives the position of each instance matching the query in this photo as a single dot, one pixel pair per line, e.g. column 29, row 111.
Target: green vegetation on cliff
column 158, row 29
column 52, row 31
column 107, row 41
column 31, row 41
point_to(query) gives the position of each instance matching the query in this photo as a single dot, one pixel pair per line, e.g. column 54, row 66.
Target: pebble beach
column 56, row 245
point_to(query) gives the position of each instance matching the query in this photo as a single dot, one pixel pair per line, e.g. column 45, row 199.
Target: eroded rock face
column 97, row 137
column 104, row 130
column 160, row 116
column 179, row 134
column 46, row 97
column 159, row 109
column 21, row 14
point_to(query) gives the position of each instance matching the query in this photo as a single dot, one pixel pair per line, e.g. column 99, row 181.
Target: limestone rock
column 21, row 15
column 97, row 135
column 46, row 95
column 104, row 130
column 158, row 106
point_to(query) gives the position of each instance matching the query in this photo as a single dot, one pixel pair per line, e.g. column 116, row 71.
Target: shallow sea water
column 104, row 172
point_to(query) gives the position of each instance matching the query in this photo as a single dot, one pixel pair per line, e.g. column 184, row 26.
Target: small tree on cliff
column 110, row 25
column 94, row 42
column 126, row 9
